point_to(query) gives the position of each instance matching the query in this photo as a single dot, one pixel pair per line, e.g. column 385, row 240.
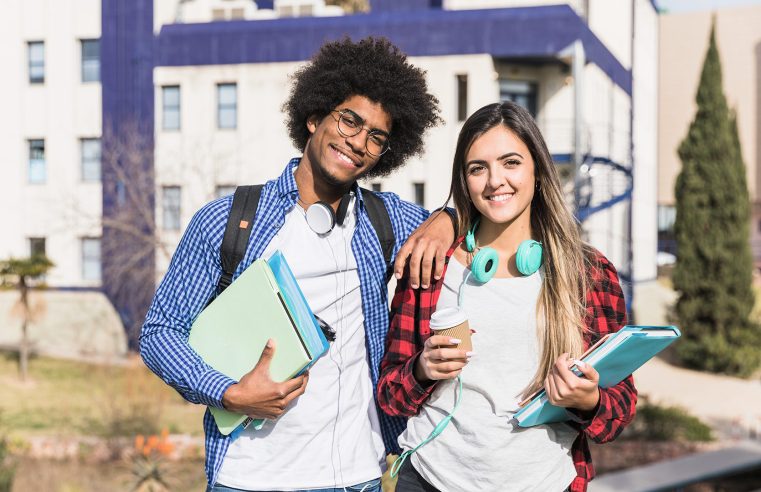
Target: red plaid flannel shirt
column 399, row 393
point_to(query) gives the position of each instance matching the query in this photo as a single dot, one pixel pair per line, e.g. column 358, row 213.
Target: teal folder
column 618, row 356
column 264, row 302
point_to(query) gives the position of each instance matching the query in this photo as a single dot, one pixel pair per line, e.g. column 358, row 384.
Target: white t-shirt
column 329, row 436
column 480, row 449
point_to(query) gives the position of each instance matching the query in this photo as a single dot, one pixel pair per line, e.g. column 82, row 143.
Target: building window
column 419, row 193
column 227, row 106
column 376, row 186
column 37, row 167
column 520, row 92
column 91, row 258
column 90, row 60
column 37, row 246
column 36, row 62
column 225, row 190
column 462, row 97
column 170, row 103
column 171, row 206
column 90, row 151
column 666, row 217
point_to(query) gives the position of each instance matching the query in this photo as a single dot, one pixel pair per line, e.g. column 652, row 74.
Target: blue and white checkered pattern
column 195, row 270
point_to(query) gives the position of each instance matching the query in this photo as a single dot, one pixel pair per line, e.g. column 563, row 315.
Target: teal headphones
column 528, row 258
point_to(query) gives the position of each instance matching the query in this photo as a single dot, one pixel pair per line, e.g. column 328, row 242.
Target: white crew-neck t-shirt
column 481, row 449
column 329, row 436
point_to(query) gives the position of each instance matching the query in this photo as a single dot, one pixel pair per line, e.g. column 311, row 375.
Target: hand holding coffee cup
column 448, row 349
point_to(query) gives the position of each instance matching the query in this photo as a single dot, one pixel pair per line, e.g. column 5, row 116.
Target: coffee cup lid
column 447, row 318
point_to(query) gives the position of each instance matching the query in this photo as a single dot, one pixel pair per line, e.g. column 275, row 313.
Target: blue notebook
column 615, row 357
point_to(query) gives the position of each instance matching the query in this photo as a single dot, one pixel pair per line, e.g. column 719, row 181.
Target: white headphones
column 322, row 219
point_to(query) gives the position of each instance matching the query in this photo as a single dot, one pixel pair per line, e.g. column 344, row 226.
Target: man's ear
column 312, row 123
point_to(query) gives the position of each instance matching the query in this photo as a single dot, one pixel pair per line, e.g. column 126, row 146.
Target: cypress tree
column 714, row 264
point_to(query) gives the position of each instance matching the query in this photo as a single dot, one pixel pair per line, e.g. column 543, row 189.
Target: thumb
column 267, row 353
column 587, row 370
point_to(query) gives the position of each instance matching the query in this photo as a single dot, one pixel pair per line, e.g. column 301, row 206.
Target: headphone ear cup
column 321, row 218
column 343, row 208
column 529, row 257
column 484, row 264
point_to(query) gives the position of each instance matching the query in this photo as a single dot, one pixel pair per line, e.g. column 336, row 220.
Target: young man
column 357, row 110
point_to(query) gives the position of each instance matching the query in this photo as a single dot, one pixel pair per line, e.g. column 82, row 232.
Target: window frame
column 226, row 106
column 35, row 64
column 84, row 59
column 85, row 177
column 166, row 108
column 171, row 222
column 84, row 258
column 33, row 163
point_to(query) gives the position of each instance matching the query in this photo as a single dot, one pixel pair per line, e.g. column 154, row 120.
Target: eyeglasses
column 351, row 124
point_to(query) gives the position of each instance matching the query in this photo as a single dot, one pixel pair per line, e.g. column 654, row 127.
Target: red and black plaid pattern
column 399, row 393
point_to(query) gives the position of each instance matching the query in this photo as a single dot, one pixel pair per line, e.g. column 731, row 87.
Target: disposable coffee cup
column 452, row 322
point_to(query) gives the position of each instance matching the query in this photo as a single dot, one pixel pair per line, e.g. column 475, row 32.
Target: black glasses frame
column 360, row 127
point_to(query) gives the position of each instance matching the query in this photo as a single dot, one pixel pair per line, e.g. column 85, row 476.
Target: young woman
column 529, row 327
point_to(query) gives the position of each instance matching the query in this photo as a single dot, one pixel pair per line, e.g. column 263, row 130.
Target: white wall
column 645, row 81
column 577, row 5
column 611, row 21
column 61, row 111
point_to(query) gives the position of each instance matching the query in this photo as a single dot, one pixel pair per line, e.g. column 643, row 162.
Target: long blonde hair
column 561, row 306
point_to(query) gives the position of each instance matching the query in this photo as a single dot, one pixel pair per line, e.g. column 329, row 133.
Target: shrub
column 661, row 423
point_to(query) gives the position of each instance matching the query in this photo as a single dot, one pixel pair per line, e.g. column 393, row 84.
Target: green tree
column 23, row 274
column 714, row 264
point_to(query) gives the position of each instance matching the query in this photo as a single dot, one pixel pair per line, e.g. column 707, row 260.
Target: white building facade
column 203, row 81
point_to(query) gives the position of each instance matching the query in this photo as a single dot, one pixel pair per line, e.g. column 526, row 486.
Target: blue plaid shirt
column 192, row 279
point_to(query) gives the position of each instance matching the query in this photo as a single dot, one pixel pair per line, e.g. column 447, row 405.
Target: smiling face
column 499, row 173
column 335, row 159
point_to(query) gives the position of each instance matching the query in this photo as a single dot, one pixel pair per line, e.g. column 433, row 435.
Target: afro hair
column 373, row 68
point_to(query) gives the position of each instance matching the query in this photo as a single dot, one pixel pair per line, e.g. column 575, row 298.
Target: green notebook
column 231, row 332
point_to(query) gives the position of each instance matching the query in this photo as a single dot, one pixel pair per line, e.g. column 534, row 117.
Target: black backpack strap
column 381, row 222
column 240, row 222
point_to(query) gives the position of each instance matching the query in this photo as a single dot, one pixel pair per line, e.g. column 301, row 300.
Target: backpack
column 240, row 224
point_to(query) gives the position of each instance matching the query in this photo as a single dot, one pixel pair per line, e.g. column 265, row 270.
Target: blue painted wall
column 533, row 32
column 127, row 248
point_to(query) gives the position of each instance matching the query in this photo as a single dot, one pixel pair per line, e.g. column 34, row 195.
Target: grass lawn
column 67, row 398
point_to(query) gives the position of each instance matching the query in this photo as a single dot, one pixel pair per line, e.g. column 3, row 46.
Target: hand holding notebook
column 257, row 395
column 231, row 335
column 614, row 357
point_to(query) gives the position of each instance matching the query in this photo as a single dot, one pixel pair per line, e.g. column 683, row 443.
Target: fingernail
column 397, row 275
column 455, row 341
column 437, row 277
column 269, row 343
column 470, row 354
column 414, row 286
column 580, row 363
column 425, row 286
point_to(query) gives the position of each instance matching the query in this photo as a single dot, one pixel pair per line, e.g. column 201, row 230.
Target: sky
column 688, row 5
